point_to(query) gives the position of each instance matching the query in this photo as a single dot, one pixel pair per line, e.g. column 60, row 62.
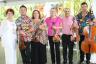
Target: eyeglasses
column 67, row 11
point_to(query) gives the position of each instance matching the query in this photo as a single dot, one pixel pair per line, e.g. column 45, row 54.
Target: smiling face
column 36, row 14
column 23, row 11
column 67, row 11
column 53, row 12
column 9, row 13
column 84, row 7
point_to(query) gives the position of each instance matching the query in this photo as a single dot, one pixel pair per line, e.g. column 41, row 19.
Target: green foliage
column 74, row 4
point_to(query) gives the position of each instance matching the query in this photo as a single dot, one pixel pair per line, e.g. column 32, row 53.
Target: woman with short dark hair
column 9, row 37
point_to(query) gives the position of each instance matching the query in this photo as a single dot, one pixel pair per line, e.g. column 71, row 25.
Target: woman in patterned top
column 39, row 40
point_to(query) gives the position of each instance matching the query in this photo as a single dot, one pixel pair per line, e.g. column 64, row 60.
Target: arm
column 92, row 17
column 78, row 18
column 30, row 27
column 19, row 28
column 2, row 28
column 43, row 26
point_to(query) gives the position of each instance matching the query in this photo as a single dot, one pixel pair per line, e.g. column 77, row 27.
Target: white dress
column 93, row 55
column 8, row 40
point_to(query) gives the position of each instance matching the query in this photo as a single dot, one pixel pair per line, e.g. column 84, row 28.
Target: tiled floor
column 2, row 61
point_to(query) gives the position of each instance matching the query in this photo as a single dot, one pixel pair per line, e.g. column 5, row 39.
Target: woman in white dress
column 9, row 37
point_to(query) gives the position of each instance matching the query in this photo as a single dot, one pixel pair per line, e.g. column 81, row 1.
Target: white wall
column 94, row 7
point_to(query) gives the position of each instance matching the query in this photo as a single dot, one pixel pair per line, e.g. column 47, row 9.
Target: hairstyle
column 23, row 6
column 66, row 8
column 84, row 3
column 54, row 9
column 38, row 13
column 9, row 10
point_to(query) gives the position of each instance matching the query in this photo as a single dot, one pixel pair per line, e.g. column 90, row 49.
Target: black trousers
column 54, row 50
column 81, row 52
column 26, row 53
column 23, row 55
column 38, row 53
column 66, row 43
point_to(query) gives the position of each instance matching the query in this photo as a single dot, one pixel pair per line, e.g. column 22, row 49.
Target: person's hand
column 42, row 27
column 22, row 33
column 31, row 30
column 54, row 27
column 90, row 23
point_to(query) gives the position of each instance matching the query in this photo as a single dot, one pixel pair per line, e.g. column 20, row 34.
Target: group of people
column 32, row 35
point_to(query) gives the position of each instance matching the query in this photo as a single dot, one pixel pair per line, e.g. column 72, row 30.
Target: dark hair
column 84, row 3
column 38, row 13
column 9, row 10
column 23, row 6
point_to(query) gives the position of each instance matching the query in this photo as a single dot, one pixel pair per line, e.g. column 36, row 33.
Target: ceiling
column 20, row 2
column 25, row 0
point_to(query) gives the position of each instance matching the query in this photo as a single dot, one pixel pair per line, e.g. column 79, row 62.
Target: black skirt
column 38, row 53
